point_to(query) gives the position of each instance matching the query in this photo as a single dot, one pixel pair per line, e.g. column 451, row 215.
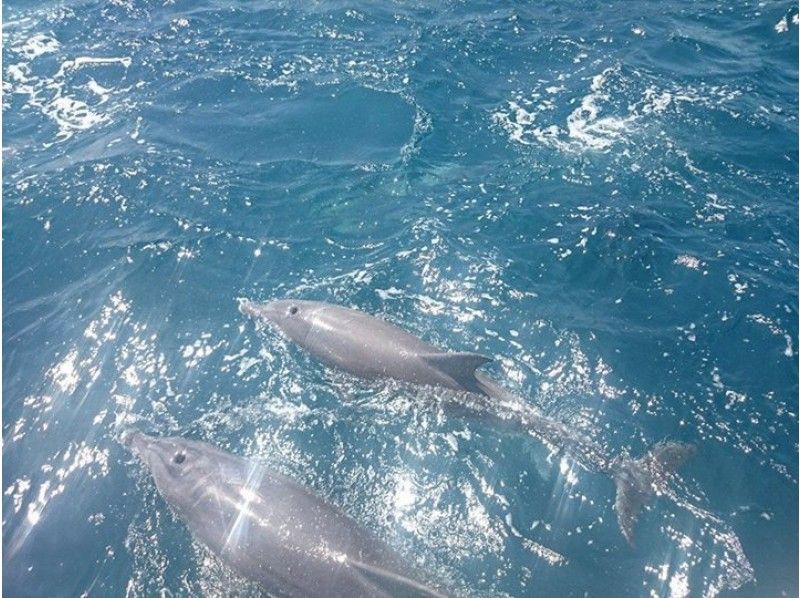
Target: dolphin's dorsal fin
column 459, row 366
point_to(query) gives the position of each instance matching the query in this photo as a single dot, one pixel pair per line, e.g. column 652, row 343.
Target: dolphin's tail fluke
column 638, row 480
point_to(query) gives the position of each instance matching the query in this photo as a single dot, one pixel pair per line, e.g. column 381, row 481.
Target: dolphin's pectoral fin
column 394, row 584
column 458, row 366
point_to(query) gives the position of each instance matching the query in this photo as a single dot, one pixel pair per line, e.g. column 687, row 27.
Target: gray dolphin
column 267, row 527
column 369, row 347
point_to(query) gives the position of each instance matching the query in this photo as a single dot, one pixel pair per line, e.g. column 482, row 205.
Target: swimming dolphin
column 267, row 527
column 370, row 347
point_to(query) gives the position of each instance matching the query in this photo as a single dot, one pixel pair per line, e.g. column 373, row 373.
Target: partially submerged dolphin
column 370, row 347
column 267, row 527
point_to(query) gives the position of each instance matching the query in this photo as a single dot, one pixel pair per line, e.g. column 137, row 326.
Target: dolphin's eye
column 293, row 309
column 179, row 457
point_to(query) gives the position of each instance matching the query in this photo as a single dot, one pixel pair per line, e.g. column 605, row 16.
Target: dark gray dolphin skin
column 369, row 347
column 267, row 527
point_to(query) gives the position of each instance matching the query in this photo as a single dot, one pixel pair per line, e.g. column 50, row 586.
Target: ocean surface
column 602, row 196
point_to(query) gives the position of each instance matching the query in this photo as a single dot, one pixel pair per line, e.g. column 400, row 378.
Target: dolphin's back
column 370, row 347
column 356, row 327
column 362, row 344
column 276, row 532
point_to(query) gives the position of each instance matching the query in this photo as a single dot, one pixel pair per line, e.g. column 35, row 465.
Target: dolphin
column 369, row 347
column 267, row 527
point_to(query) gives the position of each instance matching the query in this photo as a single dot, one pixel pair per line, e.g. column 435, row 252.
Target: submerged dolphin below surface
column 370, row 347
column 267, row 527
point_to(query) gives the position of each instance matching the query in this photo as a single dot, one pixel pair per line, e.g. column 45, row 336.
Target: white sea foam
column 599, row 122
column 18, row 72
column 72, row 115
column 82, row 61
column 99, row 90
column 688, row 261
column 36, row 45
column 591, row 131
column 52, row 95
column 585, row 127
column 549, row 555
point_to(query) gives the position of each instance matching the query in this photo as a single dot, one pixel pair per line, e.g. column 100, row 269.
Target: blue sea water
column 603, row 196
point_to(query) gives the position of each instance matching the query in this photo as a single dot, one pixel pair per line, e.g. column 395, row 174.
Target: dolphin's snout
column 269, row 311
column 127, row 436
column 247, row 307
column 134, row 440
